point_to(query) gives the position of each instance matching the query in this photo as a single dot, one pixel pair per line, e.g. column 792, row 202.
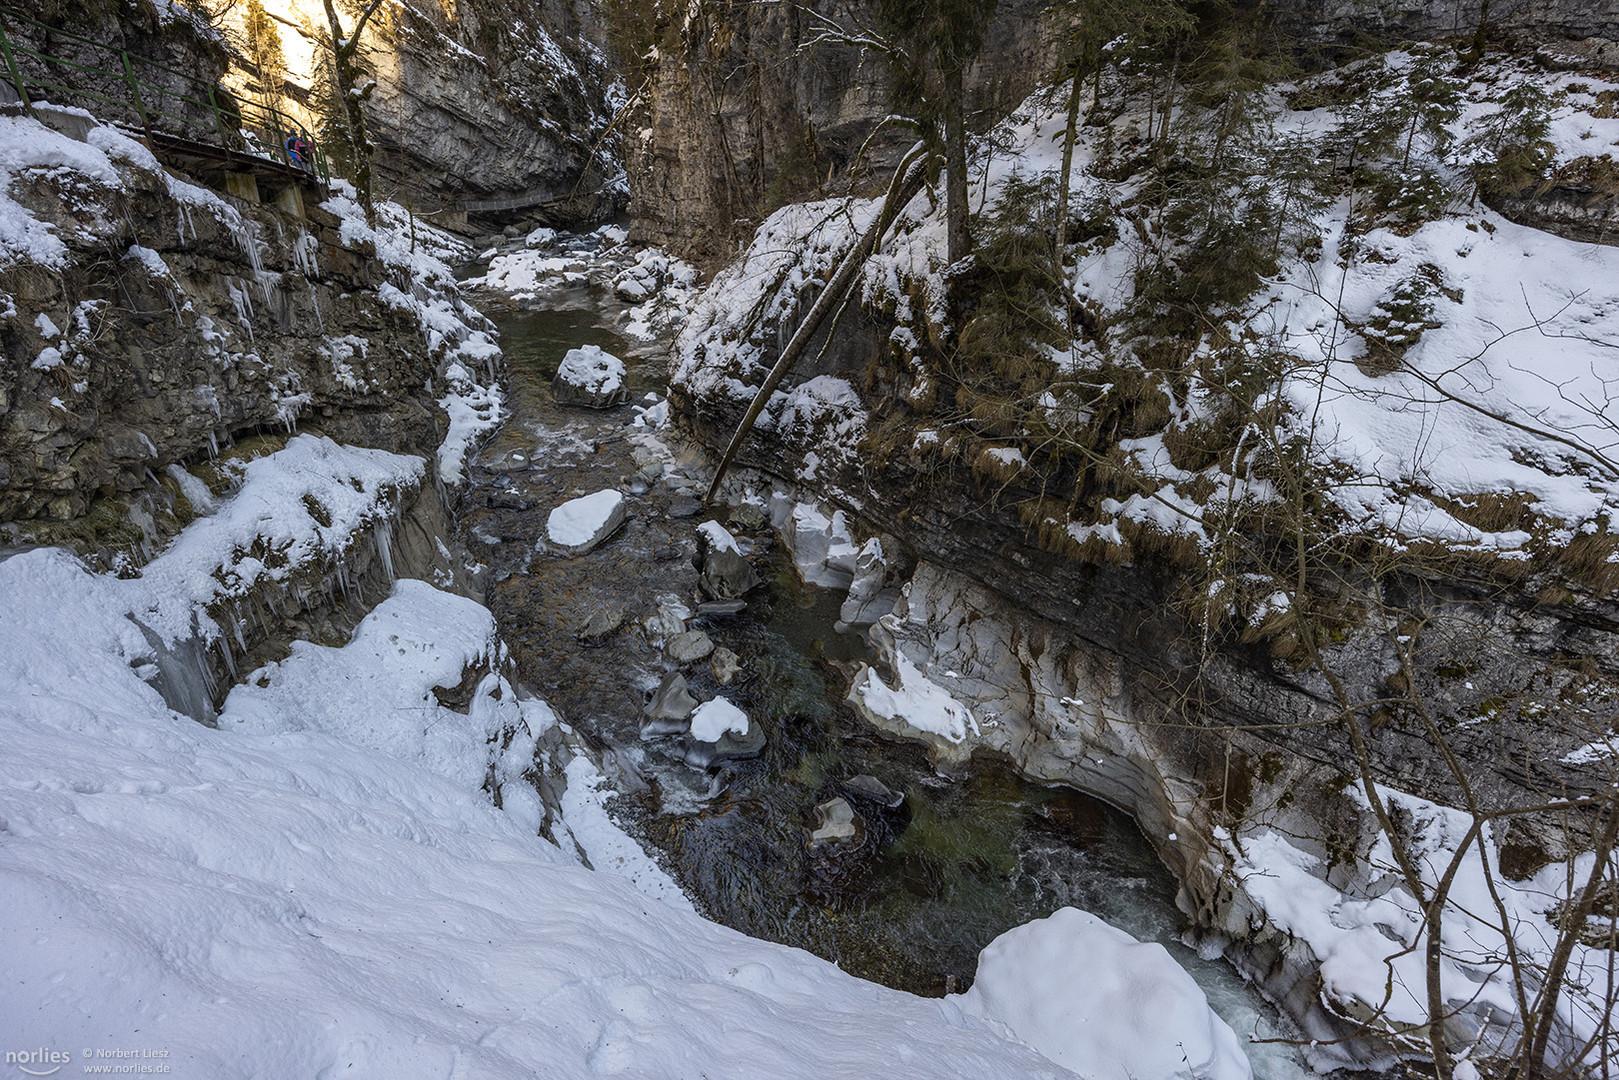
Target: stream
column 929, row 884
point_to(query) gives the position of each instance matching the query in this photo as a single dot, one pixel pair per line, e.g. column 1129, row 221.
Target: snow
column 322, row 886
column 718, row 537
column 1134, row 1014
column 593, row 369
column 296, row 509
column 1368, row 937
column 579, row 521
column 609, row 849
column 918, row 701
column 417, row 639
column 713, row 719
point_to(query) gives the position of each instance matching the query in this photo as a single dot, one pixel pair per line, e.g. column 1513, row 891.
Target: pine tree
column 935, row 42
column 261, row 46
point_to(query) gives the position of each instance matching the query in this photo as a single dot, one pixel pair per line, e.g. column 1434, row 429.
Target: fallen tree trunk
column 906, row 183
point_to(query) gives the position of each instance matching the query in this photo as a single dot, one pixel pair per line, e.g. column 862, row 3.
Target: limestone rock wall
column 740, row 116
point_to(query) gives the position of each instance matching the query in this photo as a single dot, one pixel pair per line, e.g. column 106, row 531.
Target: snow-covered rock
column 590, row 375
column 714, row 719
column 1134, row 1015
column 918, row 707
column 580, row 525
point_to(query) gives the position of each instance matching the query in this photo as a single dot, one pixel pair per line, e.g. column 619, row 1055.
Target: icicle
column 382, row 542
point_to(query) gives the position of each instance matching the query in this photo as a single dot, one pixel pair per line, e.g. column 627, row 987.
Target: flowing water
column 931, row 882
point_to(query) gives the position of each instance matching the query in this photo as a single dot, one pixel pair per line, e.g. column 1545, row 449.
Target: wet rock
column 722, row 732
column 580, row 525
column 727, row 575
column 590, row 376
column 684, row 506
column 649, row 464
column 602, row 624
column 836, row 823
column 688, row 647
column 749, row 517
column 722, row 607
column 869, row 787
column 883, row 809
column 670, row 709
column 622, row 773
column 727, row 666
column 871, row 594
column 507, row 500
column 668, row 621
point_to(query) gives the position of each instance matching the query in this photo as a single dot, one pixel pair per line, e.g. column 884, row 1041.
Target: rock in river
column 590, row 376
column 579, row 525
column 601, row 625
column 670, row 708
column 722, row 732
column 688, row 647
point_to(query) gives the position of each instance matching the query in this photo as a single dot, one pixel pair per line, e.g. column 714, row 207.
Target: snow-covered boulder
column 720, row 731
column 580, row 525
column 1135, row 1015
column 592, row 376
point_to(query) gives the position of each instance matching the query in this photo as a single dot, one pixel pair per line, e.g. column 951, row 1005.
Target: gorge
column 1224, row 547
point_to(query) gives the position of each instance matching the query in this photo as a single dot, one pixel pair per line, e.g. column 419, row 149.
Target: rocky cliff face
column 155, row 331
column 486, row 99
column 740, row 113
column 483, row 100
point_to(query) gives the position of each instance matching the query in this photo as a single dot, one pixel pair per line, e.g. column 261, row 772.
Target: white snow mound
column 580, row 524
column 592, row 369
column 712, row 719
column 1134, row 1014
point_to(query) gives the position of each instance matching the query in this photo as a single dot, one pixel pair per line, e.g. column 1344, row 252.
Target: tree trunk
column 906, row 183
column 1066, row 174
column 959, row 237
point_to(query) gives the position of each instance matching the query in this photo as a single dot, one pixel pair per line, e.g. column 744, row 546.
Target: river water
column 961, row 861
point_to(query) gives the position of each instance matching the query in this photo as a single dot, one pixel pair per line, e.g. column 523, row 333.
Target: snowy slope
column 320, row 887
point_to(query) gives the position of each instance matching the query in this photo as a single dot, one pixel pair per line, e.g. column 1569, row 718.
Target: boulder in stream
column 722, row 732
column 667, row 621
column 590, row 376
column 688, row 647
column 835, row 823
column 726, row 572
column 670, row 709
column 580, row 525
column 727, row 666
column 602, row 624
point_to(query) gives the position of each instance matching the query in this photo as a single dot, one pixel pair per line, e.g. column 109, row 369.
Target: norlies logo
column 40, row 1062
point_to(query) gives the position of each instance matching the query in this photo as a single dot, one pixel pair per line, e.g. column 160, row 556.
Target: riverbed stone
column 688, row 647
column 749, row 517
column 580, row 525
column 669, row 711
column 590, row 376
column 835, row 823
column 601, row 625
column 666, row 621
column 869, row 787
column 739, row 735
column 722, row 607
column 684, row 506
column 727, row 575
column 727, row 666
